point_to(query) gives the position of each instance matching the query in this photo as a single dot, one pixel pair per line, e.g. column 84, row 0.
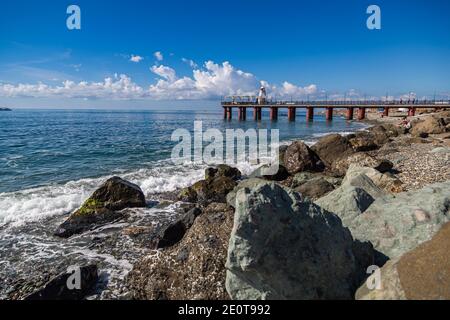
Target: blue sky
column 297, row 48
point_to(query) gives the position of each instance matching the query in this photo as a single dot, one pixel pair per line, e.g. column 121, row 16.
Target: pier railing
column 250, row 101
column 242, row 103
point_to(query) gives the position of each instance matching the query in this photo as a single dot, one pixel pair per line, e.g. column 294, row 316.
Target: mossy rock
column 103, row 207
column 187, row 195
column 91, row 206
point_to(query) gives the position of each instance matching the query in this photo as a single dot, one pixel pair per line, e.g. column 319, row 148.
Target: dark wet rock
column 285, row 247
column 81, row 223
column 315, row 188
column 332, row 148
column 194, row 268
column 116, row 194
column 103, row 207
column 299, row 157
column 383, row 133
column 187, row 194
column 214, row 190
column 174, row 232
column 58, row 288
column 222, row 171
column 363, row 141
column 280, row 175
column 282, row 153
column 218, row 183
column 137, row 231
column 210, row 173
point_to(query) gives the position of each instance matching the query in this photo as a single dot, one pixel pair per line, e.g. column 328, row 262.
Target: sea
column 52, row 160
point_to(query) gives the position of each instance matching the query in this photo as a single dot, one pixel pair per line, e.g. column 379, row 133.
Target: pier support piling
column 257, row 114
column 349, row 114
column 329, row 113
column 361, row 113
column 242, row 113
column 386, row 112
column 309, row 113
column 291, row 114
column 273, row 113
column 229, row 113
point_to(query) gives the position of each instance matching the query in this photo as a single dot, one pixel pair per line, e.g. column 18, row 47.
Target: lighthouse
column 262, row 95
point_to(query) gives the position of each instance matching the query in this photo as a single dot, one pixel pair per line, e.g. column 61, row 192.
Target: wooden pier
column 360, row 107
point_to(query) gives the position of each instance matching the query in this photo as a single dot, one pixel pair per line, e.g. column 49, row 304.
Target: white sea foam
column 17, row 208
column 342, row 133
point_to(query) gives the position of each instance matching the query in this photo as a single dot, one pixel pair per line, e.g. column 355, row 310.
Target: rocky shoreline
column 379, row 197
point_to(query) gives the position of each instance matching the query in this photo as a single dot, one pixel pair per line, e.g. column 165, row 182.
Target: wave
column 17, row 208
column 20, row 207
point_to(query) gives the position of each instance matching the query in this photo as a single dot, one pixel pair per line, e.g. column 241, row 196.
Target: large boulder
column 429, row 125
column 103, row 207
column 299, row 157
column 213, row 190
column 396, row 225
column 384, row 133
column 420, row 274
column 194, row 268
column 285, row 247
column 281, row 153
column 58, row 289
column 175, row 231
column 280, row 175
column 217, row 184
column 332, row 148
column 222, row 170
column 362, row 159
column 363, row 141
column 385, row 181
column 350, row 199
column 248, row 183
column 315, row 188
column 303, row 177
column 355, row 195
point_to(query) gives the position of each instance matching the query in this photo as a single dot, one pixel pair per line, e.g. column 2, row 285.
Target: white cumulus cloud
column 136, row 58
column 210, row 81
column 159, row 56
column 190, row 62
column 164, row 72
column 119, row 87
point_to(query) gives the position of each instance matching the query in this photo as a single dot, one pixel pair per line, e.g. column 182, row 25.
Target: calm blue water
column 46, row 147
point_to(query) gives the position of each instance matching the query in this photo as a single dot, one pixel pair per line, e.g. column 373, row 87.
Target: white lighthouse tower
column 262, row 95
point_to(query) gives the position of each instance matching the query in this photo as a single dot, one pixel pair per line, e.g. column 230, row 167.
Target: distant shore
column 5, row 109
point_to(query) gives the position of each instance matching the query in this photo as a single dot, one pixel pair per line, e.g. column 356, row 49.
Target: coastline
column 393, row 187
column 409, row 163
